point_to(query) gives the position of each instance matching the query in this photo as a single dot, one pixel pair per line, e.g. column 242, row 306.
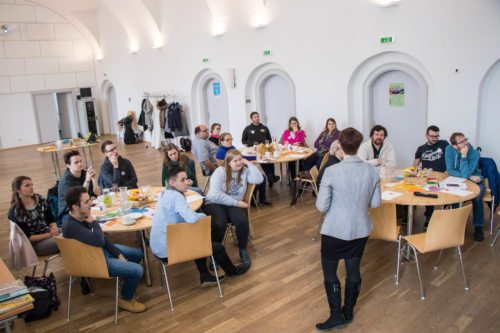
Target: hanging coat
column 174, row 117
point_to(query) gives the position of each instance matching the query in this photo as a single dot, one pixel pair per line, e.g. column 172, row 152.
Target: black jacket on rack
column 174, row 117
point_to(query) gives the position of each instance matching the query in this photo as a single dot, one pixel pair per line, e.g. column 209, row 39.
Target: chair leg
column 398, row 265
column 256, row 203
column 168, row 286
column 116, row 300
column 492, row 216
column 466, row 286
column 422, row 294
column 251, row 244
column 496, row 236
column 217, row 276
column 69, row 296
column 438, row 260
column 34, row 271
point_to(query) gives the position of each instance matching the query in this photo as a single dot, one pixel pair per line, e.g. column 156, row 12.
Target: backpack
column 53, row 201
column 41, row 306
column 186, row 144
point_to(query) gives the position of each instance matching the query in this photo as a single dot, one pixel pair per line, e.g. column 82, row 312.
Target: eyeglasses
column 462, row 142
column 111, row 150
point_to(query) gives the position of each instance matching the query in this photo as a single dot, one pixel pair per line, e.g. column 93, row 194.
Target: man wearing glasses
column 431, row 156
column 462, row 161
column 116, row 171
column 204, row 150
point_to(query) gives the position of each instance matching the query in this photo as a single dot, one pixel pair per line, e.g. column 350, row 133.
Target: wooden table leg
column 146, row 258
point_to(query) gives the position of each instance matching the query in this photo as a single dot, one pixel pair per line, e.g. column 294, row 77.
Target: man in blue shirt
column 462, row 161
column 173, row 208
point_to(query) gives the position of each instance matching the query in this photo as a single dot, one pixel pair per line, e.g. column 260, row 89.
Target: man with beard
column 378, row 151
column 431, row 156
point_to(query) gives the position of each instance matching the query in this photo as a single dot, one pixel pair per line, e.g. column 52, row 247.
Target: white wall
column 42, row 52
column 319, row 43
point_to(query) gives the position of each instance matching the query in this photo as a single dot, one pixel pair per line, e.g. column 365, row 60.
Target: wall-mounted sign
column 216, row 88
column 387, row 40
column 205, row 60
column 396, row 94
column 267, row 53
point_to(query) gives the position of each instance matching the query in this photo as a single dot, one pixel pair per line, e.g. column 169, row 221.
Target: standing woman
column 347, row 190
column 32, row 214
column 323, row 143
column 129, row 124
column 174, row 159
column 224, row 201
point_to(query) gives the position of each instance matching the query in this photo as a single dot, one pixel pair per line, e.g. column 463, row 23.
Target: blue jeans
column 130, row 270
column 477, row 207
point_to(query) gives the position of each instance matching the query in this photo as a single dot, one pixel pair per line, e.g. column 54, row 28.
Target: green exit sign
column 387, row 40
column 267, row 53
column 206, row 60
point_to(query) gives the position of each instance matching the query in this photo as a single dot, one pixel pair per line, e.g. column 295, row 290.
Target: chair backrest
column 384, row 222
column 314, row 173
column 189, row 241
column 248, row 196
column 81, row 259
column 323, row 161
column 446, row 228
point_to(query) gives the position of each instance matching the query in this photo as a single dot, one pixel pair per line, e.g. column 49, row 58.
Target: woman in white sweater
column 224, row 201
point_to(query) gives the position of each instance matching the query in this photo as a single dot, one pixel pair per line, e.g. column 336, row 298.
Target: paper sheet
column 452, row 179
column 294, row 155
column 455, row 191
column 193, row 197
column 389, row 195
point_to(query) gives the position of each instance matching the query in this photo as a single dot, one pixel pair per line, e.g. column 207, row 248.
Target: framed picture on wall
column 396, row 94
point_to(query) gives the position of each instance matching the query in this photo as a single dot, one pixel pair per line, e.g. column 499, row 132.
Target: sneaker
column 85, row 286
column 131, row 306
column 241, row 269
column 266, row 203
column 208, row 280
column 478, row 234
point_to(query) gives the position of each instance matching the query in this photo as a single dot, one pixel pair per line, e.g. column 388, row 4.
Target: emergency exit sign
column 267, row 53
column 387, row 40
column 205, row 60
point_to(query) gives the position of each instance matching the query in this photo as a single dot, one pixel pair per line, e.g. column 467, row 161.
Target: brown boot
column 131, row 306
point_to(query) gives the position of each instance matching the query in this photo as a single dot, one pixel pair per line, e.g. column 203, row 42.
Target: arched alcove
column 109, row 114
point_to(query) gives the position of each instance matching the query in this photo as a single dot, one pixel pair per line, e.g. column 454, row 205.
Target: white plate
column 135, row 216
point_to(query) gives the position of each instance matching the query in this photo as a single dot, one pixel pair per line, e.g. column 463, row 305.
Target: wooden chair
column 84, row 260
column 248, row 199
column 490, row 198
column 326, row 156
column 186, row 242
column 306, row 182
column 385, row 228
column 497, row 234
column 446, row 230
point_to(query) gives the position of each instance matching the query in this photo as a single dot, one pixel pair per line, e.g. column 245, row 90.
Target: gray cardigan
column 347, row 190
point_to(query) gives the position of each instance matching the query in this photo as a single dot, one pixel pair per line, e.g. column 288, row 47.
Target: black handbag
column 41, row 306
column 48, row 283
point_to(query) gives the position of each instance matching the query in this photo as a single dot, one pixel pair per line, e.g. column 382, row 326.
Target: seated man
column 462, row 161
column 430, row 155
column 75, row 175
column 378, row 151
column 122, row 261
column 204, row 150
column 173, row 208
column 116, row 171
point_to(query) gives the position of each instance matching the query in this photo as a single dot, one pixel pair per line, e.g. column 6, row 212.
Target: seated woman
column 293, row 136
column 228, row 185
column 174, row 159
column 322, row 144
column 226, row 144
column 32, row 214
column 215, row 133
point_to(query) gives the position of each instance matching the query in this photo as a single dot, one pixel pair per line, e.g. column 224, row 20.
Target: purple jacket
column 324, row 141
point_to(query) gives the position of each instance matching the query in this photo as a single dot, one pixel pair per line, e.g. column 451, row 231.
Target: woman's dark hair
column 168, row 162
column 67, row 157
column 350, row 139
column 214, row 125
column 293, row 119
column 73, row 194
column 378, row 128
column 325, row 131
column 16, row 200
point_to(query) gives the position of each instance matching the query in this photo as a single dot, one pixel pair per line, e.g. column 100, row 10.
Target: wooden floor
column 283, row 291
